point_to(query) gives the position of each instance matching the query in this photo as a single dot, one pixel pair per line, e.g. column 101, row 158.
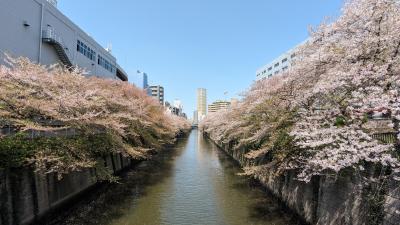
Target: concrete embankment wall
column 345, row 199
column 26, row 196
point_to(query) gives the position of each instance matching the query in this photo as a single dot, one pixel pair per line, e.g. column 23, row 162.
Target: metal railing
column 50, row 35
column 388, row 138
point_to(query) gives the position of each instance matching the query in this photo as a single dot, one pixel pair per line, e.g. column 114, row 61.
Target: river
column 193, row 183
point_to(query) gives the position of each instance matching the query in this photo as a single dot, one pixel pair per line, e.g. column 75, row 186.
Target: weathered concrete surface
column 392, row 204
column 333, row 200
column 26, row 196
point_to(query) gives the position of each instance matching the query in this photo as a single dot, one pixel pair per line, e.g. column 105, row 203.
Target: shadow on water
column 264, row 205
column 192, row 183
column 108, row 201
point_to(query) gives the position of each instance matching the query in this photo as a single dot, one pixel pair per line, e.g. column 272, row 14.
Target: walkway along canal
column 192, row 183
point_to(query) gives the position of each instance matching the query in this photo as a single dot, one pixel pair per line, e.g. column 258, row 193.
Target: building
column 278, row 65
column 178, row 104
column 36, row 29
column 176, row 108
column 201, row 103
column 218, row 105
column 145, row 81
column 142, row 81
column 195, row 118
column 158, row 93
column 172, row 109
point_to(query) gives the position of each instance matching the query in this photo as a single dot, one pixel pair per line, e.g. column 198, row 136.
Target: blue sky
column 186, row 44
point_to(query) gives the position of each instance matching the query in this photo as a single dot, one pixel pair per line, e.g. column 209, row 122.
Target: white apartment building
column 278, row 65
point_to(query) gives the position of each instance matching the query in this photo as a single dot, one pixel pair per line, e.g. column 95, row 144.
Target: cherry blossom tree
column 316, row 117
column 32, row 96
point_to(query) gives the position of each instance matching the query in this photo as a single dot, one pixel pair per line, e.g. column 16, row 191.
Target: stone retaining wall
column 344, row 199
column 26, row 196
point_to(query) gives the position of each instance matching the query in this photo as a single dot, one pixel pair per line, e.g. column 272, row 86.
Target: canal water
column 193, row 183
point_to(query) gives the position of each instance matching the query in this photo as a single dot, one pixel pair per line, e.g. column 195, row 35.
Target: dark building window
column 106, row 64
column 284, row 60
column 293, row 55
column 269, row 69
column 86, row 51
column 276, row 65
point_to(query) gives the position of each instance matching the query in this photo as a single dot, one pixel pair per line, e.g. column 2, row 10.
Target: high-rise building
column 145, row 81
column 142, row 80
column 201, row 103
column 218, row 105
column 158, row 93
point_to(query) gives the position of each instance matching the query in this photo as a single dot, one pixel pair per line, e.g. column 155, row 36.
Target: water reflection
column 193, row 183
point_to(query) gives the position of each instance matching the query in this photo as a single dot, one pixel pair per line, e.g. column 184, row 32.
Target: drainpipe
column 41, row 34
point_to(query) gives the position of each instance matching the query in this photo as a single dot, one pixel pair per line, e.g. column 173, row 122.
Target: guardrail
column 389, row 138
column 51, row 35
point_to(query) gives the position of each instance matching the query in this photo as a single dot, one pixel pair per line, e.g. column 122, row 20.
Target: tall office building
column 201, row 103
column 218, row 105
column 158, row 93
column 142, row 80
column 145, row 81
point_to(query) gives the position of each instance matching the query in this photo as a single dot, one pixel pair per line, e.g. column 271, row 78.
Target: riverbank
column 27, row 196
column 332, row 200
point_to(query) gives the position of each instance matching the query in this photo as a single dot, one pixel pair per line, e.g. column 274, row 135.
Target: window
column 86, row 51
column 106, row 64
column 269, row 69
column 293, row 55
column 270, row 75
column 264, row 71
column 276, row 72
column 276, row 65
column 285, row 68
column 284, row 60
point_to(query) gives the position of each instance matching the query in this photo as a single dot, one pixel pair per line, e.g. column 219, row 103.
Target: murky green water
column 194, row 183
